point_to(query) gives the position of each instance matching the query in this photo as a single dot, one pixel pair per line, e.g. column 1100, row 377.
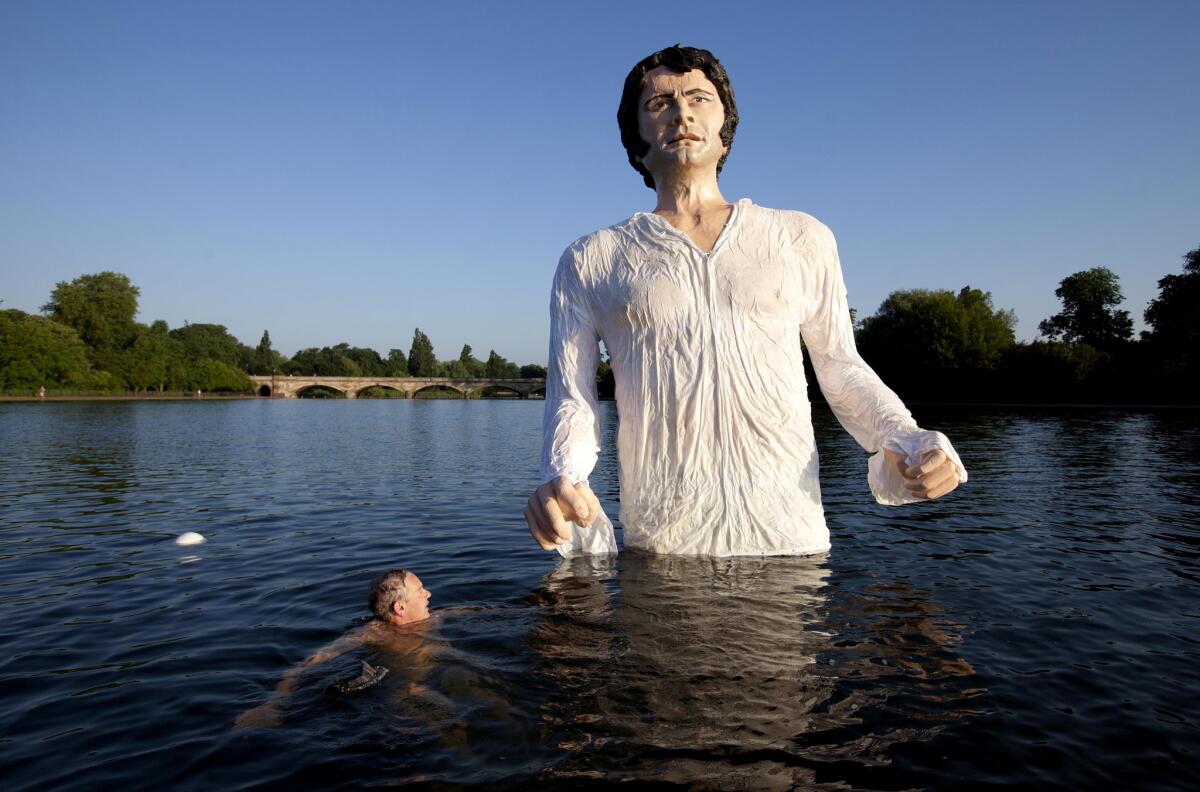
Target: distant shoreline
column 253, row 397
column 171, row 397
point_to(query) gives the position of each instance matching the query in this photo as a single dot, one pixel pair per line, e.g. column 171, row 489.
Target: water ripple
column 1036, row 629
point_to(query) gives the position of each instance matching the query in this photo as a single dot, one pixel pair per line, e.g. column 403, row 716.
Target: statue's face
column 680, row 116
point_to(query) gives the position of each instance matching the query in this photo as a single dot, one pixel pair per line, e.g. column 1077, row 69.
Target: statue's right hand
column 554, row 506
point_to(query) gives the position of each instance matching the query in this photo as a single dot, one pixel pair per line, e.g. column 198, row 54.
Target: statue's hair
column 679, row 60
column 386, row 591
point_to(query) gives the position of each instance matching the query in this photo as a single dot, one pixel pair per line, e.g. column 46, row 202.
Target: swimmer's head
column 398, row 597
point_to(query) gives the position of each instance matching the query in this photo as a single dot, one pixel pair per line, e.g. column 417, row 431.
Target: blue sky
column 349, row 171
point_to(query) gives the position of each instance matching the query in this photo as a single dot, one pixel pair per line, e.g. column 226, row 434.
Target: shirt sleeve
column 870, row 411
column 571, row 422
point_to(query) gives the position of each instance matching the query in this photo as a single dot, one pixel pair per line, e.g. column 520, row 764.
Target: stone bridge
column 280, row 386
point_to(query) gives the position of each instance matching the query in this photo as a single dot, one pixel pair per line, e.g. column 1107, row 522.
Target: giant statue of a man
column 702, row 305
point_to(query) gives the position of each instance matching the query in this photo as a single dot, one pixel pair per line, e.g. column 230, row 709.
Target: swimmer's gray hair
column 386, row 591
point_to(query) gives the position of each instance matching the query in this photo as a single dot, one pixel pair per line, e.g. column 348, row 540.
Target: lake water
column 1039, row 627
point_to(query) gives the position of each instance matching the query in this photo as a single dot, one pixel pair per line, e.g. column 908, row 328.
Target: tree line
column 88, row 340
column 943, row 347
column 928, row 345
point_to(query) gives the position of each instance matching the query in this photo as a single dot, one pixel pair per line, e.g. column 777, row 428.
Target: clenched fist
column 554, row 506
column 933, row 478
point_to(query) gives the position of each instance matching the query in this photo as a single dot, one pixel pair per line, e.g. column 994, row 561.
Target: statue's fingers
column 944, row 488
column 918, row 485
column 560, row 529
column 941, row 481
column 536, row 530
column 926, row 485
column 593, row 504
column 591, row 501
column 933, row 460
column 569, row 496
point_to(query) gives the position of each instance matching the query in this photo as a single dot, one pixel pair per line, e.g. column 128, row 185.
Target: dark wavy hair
column 679, row 60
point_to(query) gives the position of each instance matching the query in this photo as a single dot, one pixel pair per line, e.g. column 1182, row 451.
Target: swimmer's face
column 415, row 603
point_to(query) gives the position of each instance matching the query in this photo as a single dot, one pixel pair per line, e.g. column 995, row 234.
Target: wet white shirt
column 715, row 443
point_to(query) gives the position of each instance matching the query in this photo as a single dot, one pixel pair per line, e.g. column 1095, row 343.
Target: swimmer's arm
column 458, row 610
column 291, row 678
column 268, row 713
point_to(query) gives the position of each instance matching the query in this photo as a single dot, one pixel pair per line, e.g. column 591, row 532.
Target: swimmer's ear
column 398, row 608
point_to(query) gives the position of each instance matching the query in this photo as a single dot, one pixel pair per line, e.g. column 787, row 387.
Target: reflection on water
column 731, row 673
column 1036, row 629
column 742, row 671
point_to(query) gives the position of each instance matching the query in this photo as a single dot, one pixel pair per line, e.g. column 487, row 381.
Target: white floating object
column 189, row 538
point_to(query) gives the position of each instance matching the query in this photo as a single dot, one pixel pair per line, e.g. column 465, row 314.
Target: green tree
column 471, row 365
column 1174, row 316
column 397, row 363
column 101, row 309
column 1089, row 314
column 929, row 331
column 213, row 375
column 324, row 362
column 456, row 369
column 606, row 381
column 499, row 368
column 303, row 362
column 533, row 371
column 213, row 342
column 1049, row 371
column 156, row 360
column 368, row 360
column 37, row 351
column 266, row 359
column 421, row 361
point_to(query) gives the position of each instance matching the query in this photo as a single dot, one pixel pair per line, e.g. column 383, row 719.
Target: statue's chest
column 684, row 291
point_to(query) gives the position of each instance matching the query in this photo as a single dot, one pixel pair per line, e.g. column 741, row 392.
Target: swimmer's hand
column 263, row 716
column 933, row 478
column 554, row 506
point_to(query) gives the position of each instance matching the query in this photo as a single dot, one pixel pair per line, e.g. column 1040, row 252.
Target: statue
column 701, row 305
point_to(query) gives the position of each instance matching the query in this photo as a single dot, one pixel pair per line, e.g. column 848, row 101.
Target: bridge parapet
column 290, row 386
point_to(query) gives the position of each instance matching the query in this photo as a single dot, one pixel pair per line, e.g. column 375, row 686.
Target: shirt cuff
column 549, row 475
column 596, row 539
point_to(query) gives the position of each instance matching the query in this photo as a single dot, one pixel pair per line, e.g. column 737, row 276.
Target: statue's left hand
column 933, row 478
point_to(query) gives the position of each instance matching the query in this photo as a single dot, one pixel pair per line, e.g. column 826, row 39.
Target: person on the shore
column 399, row 603
column 701, row 305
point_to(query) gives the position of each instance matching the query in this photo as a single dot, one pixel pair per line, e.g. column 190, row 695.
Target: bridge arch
column 441, row 386
column 358, row 392
column 491, row 390
column 264, row 390
column 320, row 386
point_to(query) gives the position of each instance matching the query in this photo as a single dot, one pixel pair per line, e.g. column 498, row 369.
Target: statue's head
column 679, row 60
